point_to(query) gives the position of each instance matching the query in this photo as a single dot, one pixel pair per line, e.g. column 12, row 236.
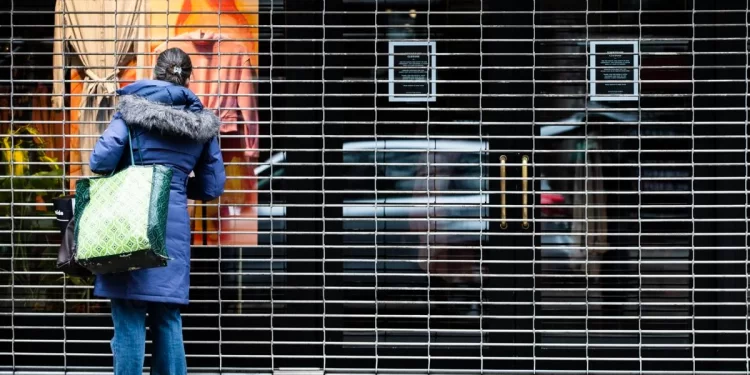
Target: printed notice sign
column 614, row 70
column 412, row 74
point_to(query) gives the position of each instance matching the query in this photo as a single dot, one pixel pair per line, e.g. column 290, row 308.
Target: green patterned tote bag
column 121, row 219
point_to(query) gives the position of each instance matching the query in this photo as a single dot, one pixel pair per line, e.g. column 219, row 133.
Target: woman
column 169, row 126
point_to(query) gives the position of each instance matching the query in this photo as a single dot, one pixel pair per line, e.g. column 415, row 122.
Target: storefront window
column 443, row 185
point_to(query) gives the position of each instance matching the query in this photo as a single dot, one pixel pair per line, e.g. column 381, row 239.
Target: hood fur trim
column 137, row 111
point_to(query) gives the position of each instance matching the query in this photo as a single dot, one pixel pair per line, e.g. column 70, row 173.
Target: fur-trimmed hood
column 201, row 125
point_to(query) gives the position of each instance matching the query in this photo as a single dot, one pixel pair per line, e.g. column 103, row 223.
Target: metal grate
column 549, row 203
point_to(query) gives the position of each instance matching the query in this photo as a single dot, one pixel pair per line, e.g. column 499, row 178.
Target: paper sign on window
column 614, row 70
column 412, row 74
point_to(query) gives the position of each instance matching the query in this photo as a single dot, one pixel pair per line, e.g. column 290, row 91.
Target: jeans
column 129, row 341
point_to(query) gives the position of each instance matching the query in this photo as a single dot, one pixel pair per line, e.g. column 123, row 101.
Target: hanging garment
column 222, row 79
column 98, row 37
column 235, row 19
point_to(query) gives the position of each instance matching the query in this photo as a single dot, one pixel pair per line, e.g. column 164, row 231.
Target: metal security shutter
column 509, row 224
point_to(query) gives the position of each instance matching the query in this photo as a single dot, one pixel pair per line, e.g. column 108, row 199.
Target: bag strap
column 130, row 147
column 130, row 142
column 130, row 150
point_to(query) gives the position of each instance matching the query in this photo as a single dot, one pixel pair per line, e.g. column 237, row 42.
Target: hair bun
column 173, row 65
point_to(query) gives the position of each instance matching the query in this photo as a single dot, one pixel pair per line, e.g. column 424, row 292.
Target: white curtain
column 100, row 36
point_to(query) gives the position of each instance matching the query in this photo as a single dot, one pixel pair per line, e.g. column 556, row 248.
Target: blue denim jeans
column 129, row 341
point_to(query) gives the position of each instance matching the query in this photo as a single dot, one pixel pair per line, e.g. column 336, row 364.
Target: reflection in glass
column 427, row 211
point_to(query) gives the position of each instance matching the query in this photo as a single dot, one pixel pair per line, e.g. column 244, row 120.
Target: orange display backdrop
column 75, row 89
column 222, row 38
column 237, row 19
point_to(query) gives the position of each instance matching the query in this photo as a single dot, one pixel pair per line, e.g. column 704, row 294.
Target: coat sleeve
column 210, row 176
column 108, row 150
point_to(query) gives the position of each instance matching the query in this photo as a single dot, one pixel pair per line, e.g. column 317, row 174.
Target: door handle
column 525, row 192
column 503, row 199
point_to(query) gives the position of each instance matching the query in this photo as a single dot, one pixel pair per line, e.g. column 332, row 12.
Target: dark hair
column 173, row 65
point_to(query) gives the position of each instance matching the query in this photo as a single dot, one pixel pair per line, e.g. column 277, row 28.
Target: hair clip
column 177, row 70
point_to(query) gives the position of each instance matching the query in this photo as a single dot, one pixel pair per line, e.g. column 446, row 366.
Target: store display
column 224, row 58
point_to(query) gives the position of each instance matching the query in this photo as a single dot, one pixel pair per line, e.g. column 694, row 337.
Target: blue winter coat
column 169, row 127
